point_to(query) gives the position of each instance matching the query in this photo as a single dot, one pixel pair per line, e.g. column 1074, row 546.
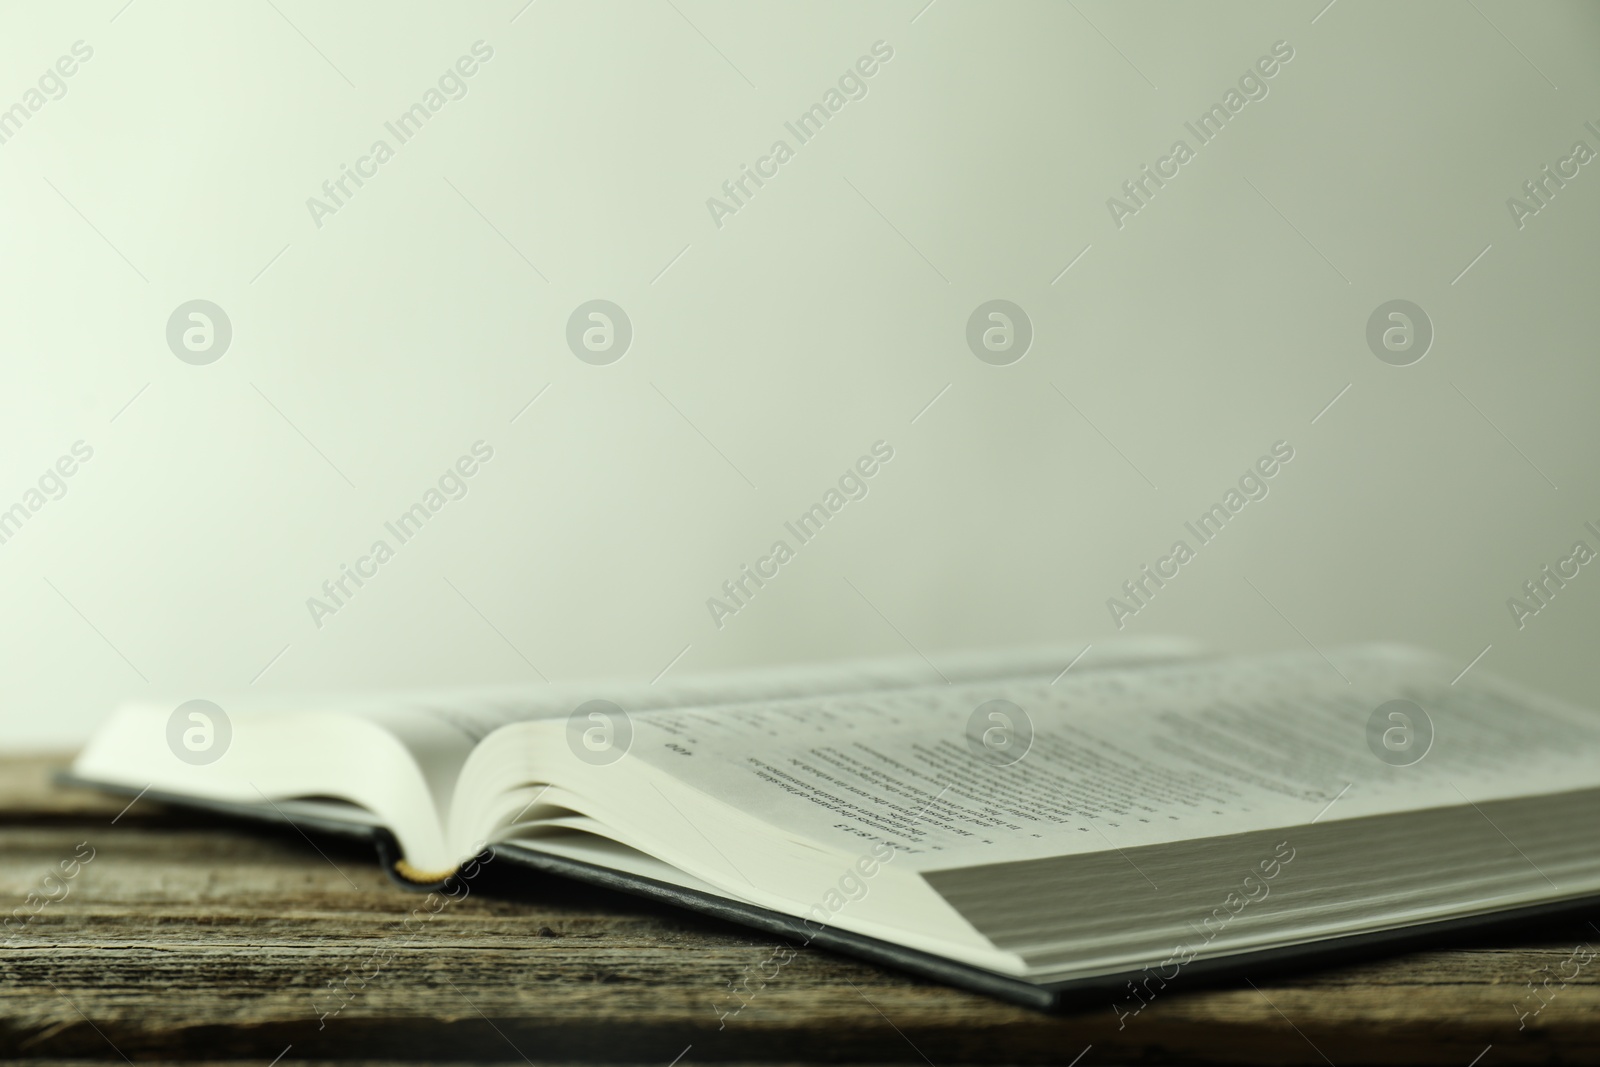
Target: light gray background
column 823, row 317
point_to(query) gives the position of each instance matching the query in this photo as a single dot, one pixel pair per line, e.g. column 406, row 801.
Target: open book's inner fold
column 400, row 756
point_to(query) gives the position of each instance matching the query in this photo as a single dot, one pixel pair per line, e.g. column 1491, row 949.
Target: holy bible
column 1039, row 824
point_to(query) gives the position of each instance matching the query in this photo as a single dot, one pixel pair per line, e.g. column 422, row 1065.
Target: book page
column 443, row 727
column 438, row 731
column 475, row 713
column 1121, row 758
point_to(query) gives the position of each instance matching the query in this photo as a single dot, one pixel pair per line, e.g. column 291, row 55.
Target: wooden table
column 189, row 939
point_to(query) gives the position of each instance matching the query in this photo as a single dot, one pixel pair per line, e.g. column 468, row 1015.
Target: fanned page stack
column 999, row 823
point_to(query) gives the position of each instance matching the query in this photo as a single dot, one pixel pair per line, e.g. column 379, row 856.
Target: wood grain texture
column 189, row 939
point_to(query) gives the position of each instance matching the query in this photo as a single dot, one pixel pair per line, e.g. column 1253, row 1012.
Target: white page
column 475, row 713
column 439, row 731
column 1121, row 758
column 441, row 728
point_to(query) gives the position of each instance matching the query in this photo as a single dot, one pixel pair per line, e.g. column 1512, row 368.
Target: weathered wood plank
column 207, row 941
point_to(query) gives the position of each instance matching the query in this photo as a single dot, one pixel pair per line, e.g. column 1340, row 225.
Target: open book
column 998, row 822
